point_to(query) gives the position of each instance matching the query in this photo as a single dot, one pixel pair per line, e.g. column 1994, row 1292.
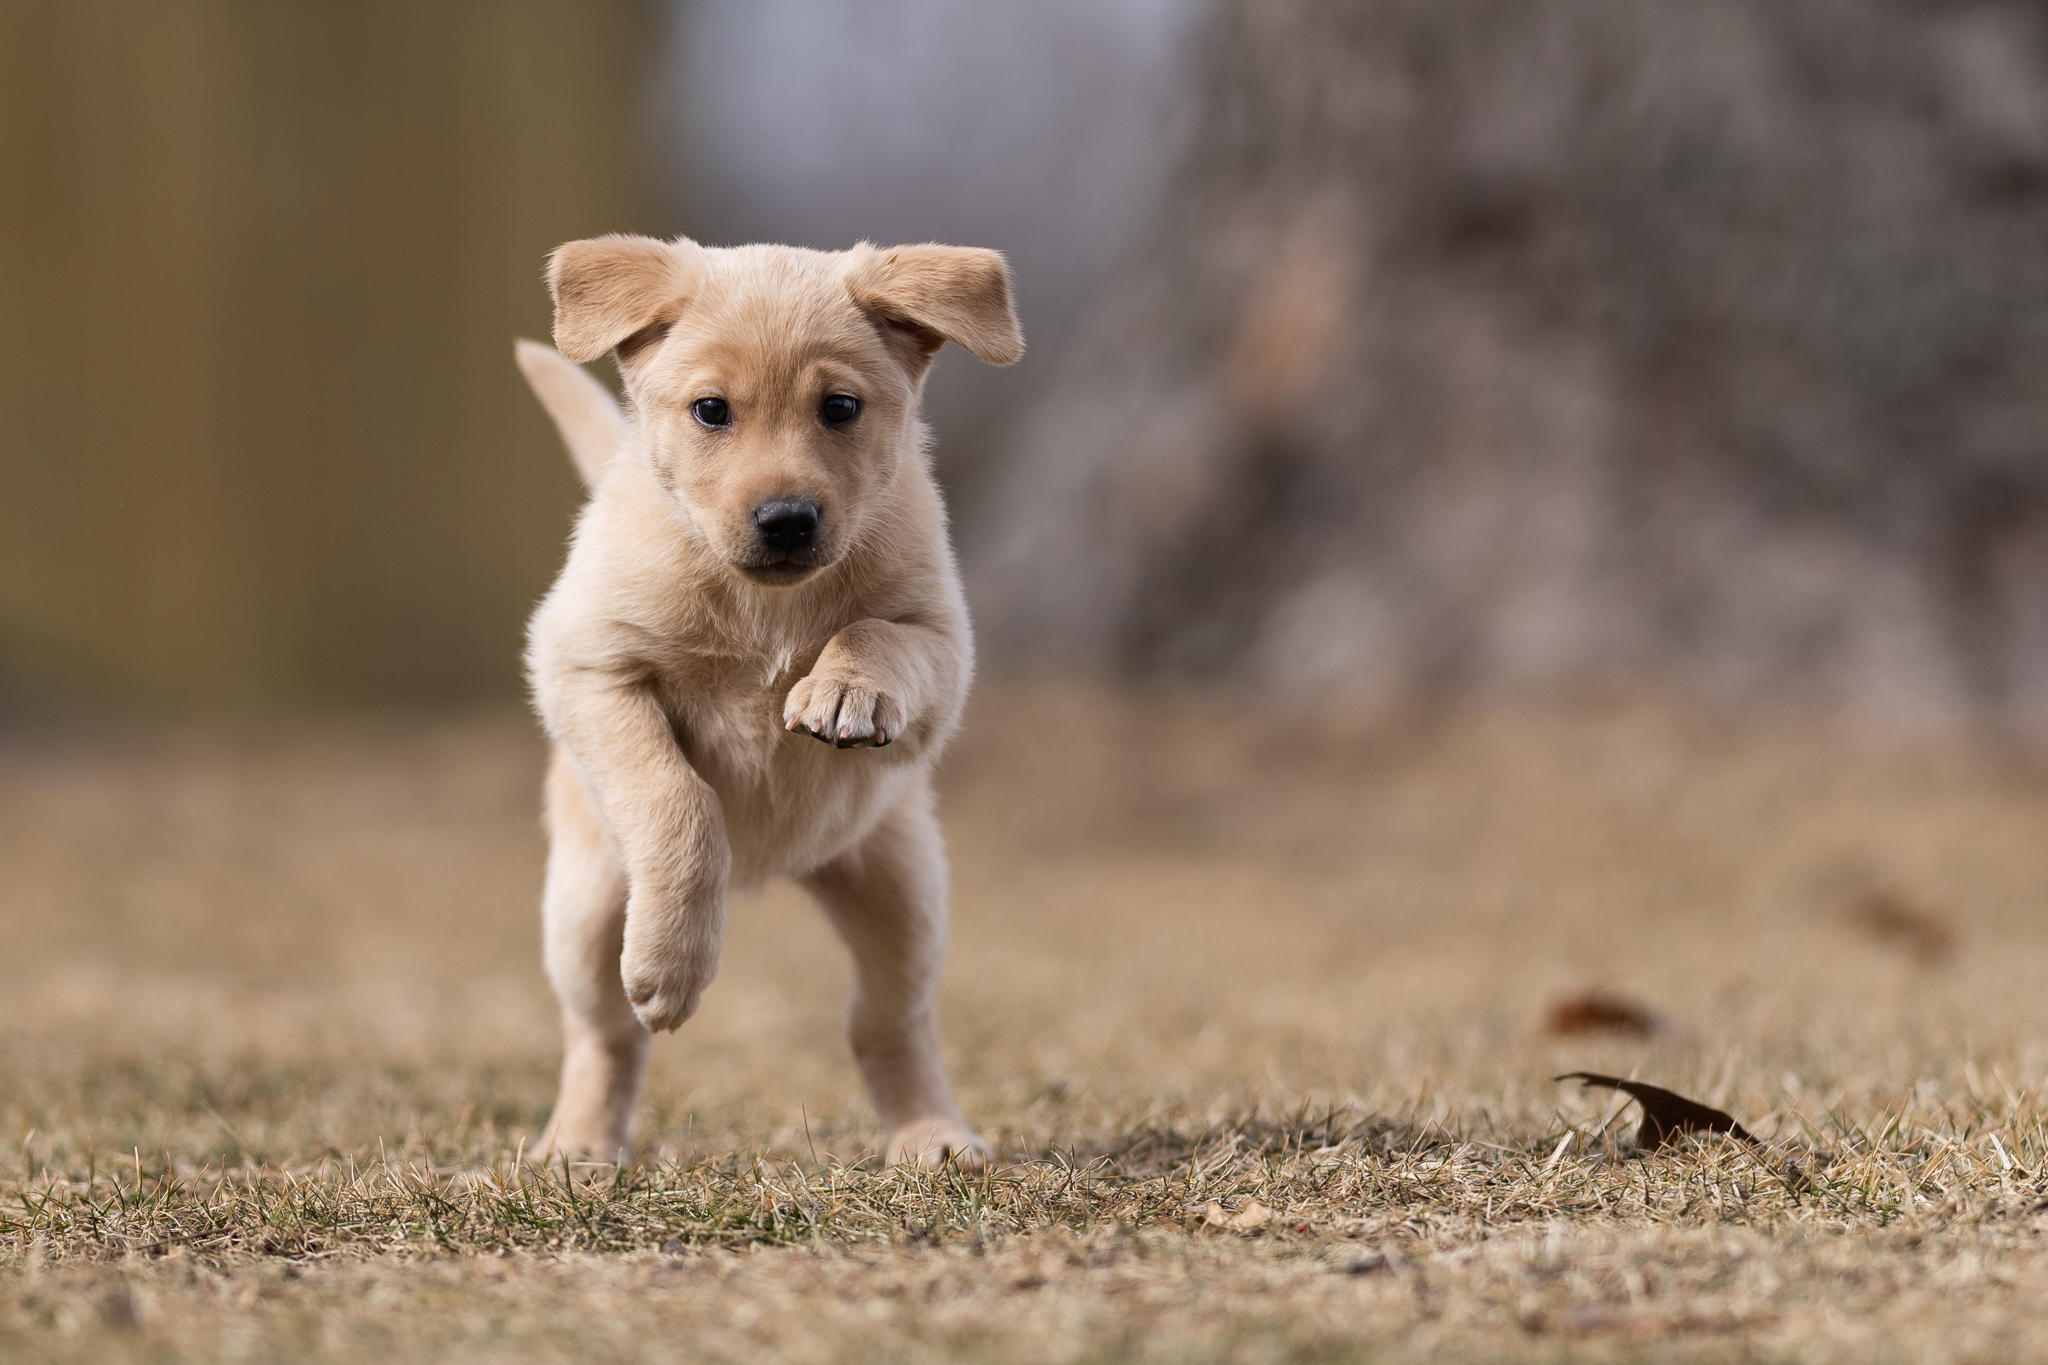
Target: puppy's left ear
column 934, row 294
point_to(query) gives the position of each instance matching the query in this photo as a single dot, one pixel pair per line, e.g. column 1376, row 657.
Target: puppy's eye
column 712, row 412
column 838, row 409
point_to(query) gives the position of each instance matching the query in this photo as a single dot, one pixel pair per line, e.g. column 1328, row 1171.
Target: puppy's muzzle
column 788, row 527
column 789, row 542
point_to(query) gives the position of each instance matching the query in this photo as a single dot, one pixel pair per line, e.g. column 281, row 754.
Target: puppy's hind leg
column 583, row 915
column 887, row 899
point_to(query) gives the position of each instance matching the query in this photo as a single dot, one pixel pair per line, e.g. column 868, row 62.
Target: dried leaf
column 1600, row 1012
column 1251, row 1217
column 1666, row 1116
column 1899, row 923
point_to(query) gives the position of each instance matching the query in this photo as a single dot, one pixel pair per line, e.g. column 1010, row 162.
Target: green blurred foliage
column 261, row 439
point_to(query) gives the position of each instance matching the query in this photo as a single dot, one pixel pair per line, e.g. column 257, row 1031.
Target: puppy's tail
column 584, row 411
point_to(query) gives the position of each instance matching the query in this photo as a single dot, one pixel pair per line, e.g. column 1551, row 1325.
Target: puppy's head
column 777, row 388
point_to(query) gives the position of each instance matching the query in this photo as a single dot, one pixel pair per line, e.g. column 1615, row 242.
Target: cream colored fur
column 687, row 680
column 590, row 422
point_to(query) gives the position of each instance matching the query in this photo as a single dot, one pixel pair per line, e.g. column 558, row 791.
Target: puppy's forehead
column 776, row 306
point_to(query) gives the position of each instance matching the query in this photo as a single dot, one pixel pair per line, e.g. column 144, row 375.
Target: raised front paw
column 664, row 983
column 842, row 711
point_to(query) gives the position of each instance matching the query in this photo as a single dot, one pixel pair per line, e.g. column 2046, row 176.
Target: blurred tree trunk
column 1561, row 343
column 263, row 441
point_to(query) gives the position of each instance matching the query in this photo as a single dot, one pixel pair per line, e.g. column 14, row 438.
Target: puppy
column 758, row 645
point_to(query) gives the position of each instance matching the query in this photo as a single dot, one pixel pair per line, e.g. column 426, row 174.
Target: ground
column 1257, row 1010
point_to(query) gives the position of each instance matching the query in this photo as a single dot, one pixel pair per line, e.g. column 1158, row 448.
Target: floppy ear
column 608, row 290
column 938, row 294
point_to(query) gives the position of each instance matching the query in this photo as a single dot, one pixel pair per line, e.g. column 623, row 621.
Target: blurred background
column 1382, row 350
column 1465, row 446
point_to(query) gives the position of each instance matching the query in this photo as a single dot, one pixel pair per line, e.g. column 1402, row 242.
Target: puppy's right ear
column 618, row 291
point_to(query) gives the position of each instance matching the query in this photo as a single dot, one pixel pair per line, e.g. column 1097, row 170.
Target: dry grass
column 274, row 1029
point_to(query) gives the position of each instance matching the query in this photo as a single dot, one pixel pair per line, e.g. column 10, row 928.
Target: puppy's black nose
column 786, row 524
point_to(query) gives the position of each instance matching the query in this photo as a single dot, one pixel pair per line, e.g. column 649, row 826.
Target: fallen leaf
column 1899, row 923
column 1251, row 1217
column 1599, row 1012
column 1666, row 1116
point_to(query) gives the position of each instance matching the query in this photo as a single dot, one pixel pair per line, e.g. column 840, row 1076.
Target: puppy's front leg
column 887, row 898
column 671, row 836
column 874, row 682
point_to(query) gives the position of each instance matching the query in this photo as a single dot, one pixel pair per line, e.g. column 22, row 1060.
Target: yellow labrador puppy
column 758, row 645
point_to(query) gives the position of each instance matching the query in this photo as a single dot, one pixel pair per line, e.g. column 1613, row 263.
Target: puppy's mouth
column 780, row 571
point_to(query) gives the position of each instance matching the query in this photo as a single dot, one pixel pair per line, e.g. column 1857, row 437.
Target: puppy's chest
column 723, row 679
column 709, row 686
column 726, row 703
